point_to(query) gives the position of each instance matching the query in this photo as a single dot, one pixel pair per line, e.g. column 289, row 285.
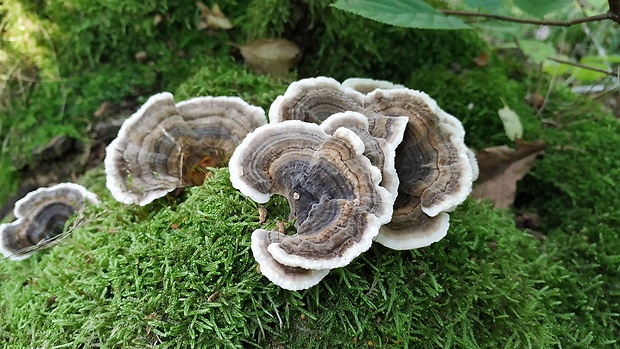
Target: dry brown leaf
column 262, row 214
column 273, row 57
column 501, row 168
column 212, row 18
column 482, row 60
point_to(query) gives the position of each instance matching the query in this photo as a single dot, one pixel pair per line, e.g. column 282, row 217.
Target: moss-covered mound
column 180, row 273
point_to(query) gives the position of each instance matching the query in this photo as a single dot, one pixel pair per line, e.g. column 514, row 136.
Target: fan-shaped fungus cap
column 41, row 216
column 365, row 85
column 323, row 177
column 433, row 166
column 380, row 153
column 314, row 100
column 431, row 161
column 289, row 278
column 164, row 146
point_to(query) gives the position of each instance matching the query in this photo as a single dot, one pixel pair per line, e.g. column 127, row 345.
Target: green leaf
column 582, row 75
column 538, row 8
column 512, row 124
column 536, row 50
column 600, row 59
column 401, row 13
column 490, row 6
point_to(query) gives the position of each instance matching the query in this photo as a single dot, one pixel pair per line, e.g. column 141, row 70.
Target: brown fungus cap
column 40, row 217
column 433, row 165
column 165, row 145
column 332, row 188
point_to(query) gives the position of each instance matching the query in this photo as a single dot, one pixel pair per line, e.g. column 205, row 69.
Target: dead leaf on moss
column 212, row 18
column 501, row 168
column 262, row 214
column 482, row 60
column 274, row 57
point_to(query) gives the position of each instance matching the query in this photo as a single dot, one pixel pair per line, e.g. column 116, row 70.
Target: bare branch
column 604, row 16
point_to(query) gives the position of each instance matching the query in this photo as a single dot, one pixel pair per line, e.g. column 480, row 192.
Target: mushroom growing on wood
column 332, row 188
column 165, row 145
column 40, row 217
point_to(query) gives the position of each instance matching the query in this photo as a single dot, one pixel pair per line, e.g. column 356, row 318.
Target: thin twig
column 568, row 23
column 546, row 100
column 579, row 65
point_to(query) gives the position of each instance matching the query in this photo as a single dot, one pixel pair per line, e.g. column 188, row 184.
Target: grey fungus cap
column 332, row 188
column 41, row 216
column 366, row 85
column 434, row 168
column 165, row 145
column 290, row 278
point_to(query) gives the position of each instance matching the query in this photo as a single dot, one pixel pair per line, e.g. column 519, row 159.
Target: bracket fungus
column 332, row 188
column 365, row 85
column 435, row 169
column 165, row 145
column 290, row 278
column 380, row 152
column 40, row 217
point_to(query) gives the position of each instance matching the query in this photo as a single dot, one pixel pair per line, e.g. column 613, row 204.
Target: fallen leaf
column 501, row 168
column 103, row 109
column 482, row 60
column 262, row 215
column 212, row 18
column 141, row 56
column 512, row 124
column 281, row 228
column 273, row 57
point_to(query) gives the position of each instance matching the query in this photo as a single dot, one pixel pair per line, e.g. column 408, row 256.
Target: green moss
column 182, row 275
column 342, row 45
column 225, row 77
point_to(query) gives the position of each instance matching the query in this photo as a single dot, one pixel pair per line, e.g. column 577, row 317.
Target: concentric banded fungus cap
column 314, row 100
column 433, row 166
column 365, row 85
column 332, row 188
column 431, row 161
column 41, row 216
column 289, row 278
column 380, row 153
column 219, row 124
column 164, row 146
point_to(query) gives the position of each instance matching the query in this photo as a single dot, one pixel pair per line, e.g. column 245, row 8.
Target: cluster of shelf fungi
column 359, row 162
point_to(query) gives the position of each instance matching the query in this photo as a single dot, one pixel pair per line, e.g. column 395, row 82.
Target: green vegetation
column 179, row 272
